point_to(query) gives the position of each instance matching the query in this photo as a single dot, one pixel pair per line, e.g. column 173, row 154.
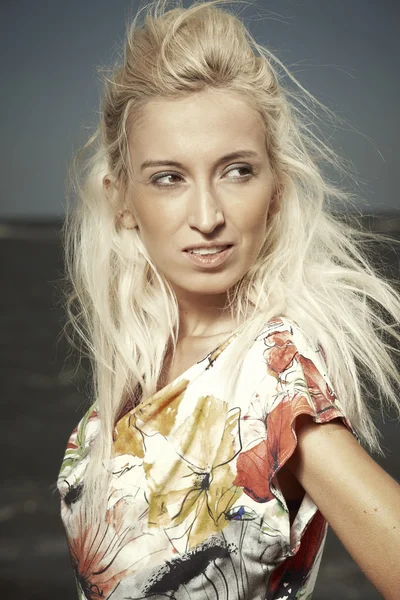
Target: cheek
column 159, row 215
column 152, row 224
column 254, row 219
column 253, row 226
column 157, row 229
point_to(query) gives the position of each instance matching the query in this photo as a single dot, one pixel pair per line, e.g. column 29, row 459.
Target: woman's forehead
column 217, row 123
column 207, row 103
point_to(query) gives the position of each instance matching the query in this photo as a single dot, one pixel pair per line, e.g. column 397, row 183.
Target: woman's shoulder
column 283, row 337
column 291, row 326
column 296, row 377
column 79, row 441
column 285, row 332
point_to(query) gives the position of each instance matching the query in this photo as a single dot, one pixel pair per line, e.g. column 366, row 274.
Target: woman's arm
column 360, row 501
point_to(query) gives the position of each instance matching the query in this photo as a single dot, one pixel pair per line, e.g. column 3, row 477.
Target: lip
column 209, row 261
column 206, row 245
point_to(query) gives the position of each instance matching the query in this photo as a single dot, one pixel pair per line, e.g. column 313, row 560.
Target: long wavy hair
column 313, row 266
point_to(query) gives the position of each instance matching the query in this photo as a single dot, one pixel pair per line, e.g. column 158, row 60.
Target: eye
column 249, row 171
column 156, row 180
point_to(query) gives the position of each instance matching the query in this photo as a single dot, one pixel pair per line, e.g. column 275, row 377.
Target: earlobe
column 111, row 188
column 127, row 219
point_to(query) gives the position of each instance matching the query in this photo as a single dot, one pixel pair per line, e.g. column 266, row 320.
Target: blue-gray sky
column 346, row 52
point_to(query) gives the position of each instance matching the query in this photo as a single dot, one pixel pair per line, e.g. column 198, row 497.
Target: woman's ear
column 127, row 219
column 275, row 203
column 111, row 189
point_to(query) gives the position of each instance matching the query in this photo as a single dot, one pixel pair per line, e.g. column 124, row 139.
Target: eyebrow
column 225, row 158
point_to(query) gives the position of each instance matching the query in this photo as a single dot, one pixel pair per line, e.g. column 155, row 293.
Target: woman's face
column 200, row 177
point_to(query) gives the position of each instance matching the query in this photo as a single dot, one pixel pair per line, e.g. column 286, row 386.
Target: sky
column 347, row 53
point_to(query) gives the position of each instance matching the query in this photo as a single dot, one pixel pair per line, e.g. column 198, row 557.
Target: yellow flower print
column 127, row 437
column 155, row 415
column 190, row 477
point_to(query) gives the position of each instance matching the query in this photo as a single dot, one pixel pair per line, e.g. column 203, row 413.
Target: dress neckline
column 174, row 385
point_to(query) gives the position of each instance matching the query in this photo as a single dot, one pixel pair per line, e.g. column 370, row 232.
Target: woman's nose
column 205, row 212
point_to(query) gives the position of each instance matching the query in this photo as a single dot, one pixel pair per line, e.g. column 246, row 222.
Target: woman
column 228, row 316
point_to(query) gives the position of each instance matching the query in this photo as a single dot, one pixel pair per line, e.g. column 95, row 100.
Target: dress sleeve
column 295, row 383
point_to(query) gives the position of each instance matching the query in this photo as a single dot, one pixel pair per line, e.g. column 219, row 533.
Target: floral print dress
column 194, row 508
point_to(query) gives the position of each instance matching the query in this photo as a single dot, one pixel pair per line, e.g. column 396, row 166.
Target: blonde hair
column 312, row 268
